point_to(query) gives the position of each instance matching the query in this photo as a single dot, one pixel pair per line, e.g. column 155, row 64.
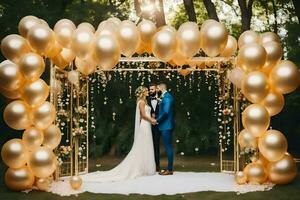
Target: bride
column 140, row 160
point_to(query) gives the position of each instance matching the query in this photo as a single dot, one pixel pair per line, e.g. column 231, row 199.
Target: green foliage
column 195, row 116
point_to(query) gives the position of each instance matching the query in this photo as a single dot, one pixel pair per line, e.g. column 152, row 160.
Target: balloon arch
column 75, row 52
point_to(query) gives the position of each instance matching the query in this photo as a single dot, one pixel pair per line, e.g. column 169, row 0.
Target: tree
column 211, row 9
column 297, row 8
column 190, row 10
column 157, row 15
column 160, row 14
column 246, row 13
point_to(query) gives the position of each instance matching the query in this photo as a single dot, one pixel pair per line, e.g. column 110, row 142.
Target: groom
column 153, row 101
column 166, row 123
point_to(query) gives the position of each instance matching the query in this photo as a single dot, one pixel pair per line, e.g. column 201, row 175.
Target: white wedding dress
column 139, row 161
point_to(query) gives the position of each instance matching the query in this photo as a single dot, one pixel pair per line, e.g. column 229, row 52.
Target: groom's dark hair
column 153, row 84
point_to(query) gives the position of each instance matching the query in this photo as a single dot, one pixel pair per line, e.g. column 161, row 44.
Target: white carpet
column 179, row 183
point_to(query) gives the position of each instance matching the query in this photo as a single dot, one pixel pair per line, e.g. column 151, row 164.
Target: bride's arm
column 143, row 112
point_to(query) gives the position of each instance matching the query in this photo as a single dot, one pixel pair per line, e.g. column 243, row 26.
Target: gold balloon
column 106, row 28
column 188, row 37
column 235, row 76
column 75, row 182
column 164, row 45
column 273, row 102
column 26, row 23
column 85, row 65
column 87, row 26
column 13, row 47
column 10, row 76
column 167, row 28
column 35, row 93
column 82, row 41
column 42, row 21
column 284, row 77
column 268, row 37
column 147, row 30
column 43, row 115
column 251, row 57
column 19, row 179
column 283, row 171
column 255, row 86
column 262, row 160
column 247, row 139
column 141, row 48
column 207, row 22
column 10, row 94
column 272, row 145
column 41, row 38
column 256, row 173
column 179, row 59
column 116, row 21
column 52, row 136
column 248, row 37
column 16, row 115
column 43, row 184
column 129, row 38
column 274, row 53
column 231, row 47
column 60, row 62
column 64, row 22
column 42, row 162
column 214, row 36
column 256, row 119
column 67, row 55
column 184, row 72
column 64, row 30
column 32, row 138
column 54, row 50
column 107, row 51
column 14, row 153
column 240, row 178
column 64, row 58
column 32, row 66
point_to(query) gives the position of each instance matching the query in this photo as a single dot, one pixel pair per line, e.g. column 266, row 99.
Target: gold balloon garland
column 266, row 79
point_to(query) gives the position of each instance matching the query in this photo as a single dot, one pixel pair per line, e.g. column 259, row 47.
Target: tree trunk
column 246, row 10
column 211, row 10
column 297, row 8
column 190, row 10
column 137, row 8
column 275, row 16
column 160, row 15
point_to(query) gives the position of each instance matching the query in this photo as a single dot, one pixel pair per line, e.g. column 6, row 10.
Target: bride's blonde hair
column 140, row 92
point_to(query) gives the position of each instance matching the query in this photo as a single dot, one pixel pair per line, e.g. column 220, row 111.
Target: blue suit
column 166, row 125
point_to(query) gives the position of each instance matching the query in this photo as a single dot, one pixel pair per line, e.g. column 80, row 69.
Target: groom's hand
column 153, row 121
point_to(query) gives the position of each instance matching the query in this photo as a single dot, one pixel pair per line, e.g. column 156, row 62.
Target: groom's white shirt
column 154, row 103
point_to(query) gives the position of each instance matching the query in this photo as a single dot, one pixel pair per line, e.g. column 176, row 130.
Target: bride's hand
column 153, row 121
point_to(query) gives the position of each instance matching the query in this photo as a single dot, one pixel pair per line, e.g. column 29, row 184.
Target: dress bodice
column 148, row 110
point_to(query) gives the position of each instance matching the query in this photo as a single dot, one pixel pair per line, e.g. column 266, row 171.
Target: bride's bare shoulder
column 141, row 102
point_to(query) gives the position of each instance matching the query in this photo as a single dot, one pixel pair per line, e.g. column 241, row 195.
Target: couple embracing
column 154, row 119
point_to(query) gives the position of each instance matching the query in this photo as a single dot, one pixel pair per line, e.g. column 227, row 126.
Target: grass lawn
column 290, row 191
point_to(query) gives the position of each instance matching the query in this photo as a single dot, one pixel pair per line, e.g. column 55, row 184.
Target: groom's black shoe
column 157, row 169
